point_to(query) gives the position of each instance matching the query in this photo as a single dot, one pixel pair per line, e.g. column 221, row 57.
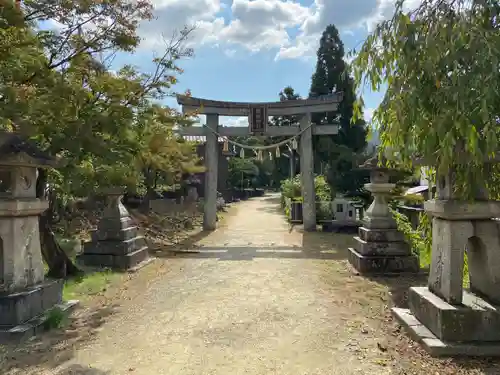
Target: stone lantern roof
column 16, row 149
column 372, row 164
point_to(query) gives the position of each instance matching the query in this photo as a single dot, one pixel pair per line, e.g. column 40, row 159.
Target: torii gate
column 257, row 114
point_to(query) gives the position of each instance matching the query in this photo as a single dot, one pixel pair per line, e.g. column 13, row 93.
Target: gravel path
column 257, row 298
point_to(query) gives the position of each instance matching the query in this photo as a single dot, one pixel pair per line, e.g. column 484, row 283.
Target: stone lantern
column 380, row 247
column 446, row 318
column 116, row 243
column 25, row 294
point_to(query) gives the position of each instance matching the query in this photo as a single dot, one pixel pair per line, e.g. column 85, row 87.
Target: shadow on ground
column 315, row 245
column 54, row 348
column 398, row 287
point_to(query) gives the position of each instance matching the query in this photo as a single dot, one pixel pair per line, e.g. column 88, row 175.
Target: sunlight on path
column 258, row 299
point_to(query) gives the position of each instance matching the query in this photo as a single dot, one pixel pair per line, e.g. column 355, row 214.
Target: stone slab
column 19, row 307
column 451, row 209
column 381, row 248
column 380, row 235
column 117, row 262
column 119, row 235
column 383, row 265
column 474, row 320
column 115, row 247
column 449, row 239
column 115, row 224
column 379, row 222
column 438, row 348
column 32, row 327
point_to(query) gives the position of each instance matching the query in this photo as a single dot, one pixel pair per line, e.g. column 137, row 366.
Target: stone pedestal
column 446, row 319
column 25, row 294
column 116, row 243
column 380, row 248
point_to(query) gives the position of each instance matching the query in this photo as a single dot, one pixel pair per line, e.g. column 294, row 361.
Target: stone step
column 121, row 262
column 119, row 235
column 475, row 320
column 381, row 248
column 18, row 307
column 381, row 265
column 115, row 247
column 34, row 326
column 115, row 224
column 380, row 235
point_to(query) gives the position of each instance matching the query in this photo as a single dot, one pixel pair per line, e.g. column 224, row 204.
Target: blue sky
column 249, row 50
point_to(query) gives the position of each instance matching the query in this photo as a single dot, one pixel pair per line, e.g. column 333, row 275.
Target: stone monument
column 116, row 243
column 380, row 248
column 25, row 294
column 444, row 317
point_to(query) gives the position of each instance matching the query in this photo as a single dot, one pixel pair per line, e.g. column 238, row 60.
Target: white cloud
column 258, row 25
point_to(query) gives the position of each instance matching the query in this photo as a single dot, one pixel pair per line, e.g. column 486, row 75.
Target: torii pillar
column 258, row 125
column 307, row 174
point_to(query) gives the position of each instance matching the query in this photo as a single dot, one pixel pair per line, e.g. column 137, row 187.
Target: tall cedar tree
column 337, row 154
column 282, row 164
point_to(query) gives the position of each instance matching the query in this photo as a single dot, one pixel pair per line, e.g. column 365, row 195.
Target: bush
column 292, row 188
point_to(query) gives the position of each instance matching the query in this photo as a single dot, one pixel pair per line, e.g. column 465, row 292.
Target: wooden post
column 211, row 164
column 307, row 174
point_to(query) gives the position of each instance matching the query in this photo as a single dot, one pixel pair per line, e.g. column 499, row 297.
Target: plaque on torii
column 257, row 119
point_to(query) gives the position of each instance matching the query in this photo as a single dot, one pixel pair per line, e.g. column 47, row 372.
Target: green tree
column 281, row 170
column 338, row 153
column 242, row 172
column 55, row 88
column 440, row 64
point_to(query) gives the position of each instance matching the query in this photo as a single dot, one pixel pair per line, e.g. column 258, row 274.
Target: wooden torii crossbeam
column 258, row 114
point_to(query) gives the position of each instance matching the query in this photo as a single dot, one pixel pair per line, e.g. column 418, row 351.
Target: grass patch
column 89, row 285
column 56, row 318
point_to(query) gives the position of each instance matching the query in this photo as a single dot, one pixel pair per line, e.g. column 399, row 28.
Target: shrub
column 292, row 188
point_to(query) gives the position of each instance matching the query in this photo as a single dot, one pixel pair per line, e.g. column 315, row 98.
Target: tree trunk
column 60, row 265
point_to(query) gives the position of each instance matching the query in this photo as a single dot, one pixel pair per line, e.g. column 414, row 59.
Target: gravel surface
column 254, row 297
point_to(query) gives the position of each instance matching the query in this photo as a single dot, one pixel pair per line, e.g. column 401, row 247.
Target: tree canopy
column 58, row 86
column 440, row 63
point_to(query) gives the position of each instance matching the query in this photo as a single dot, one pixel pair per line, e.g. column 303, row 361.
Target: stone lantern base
column 469, row 329
column 23, row 313
column 382, row 251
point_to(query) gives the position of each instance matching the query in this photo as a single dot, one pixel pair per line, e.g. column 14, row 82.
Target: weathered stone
column 120, row 235
column 123, row 262
column 211, row 162
column 378, row 265
column 448, row 248
column 24, row 294
column 381, row 248
column 483, row 253
column 439, row 348
column 474, row 320
column 307, row 174
column 19, row 307
column 380, row 235
column 460, row 210
column 114, row 245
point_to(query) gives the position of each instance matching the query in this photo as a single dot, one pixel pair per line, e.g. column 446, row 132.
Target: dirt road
column 258, row 298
